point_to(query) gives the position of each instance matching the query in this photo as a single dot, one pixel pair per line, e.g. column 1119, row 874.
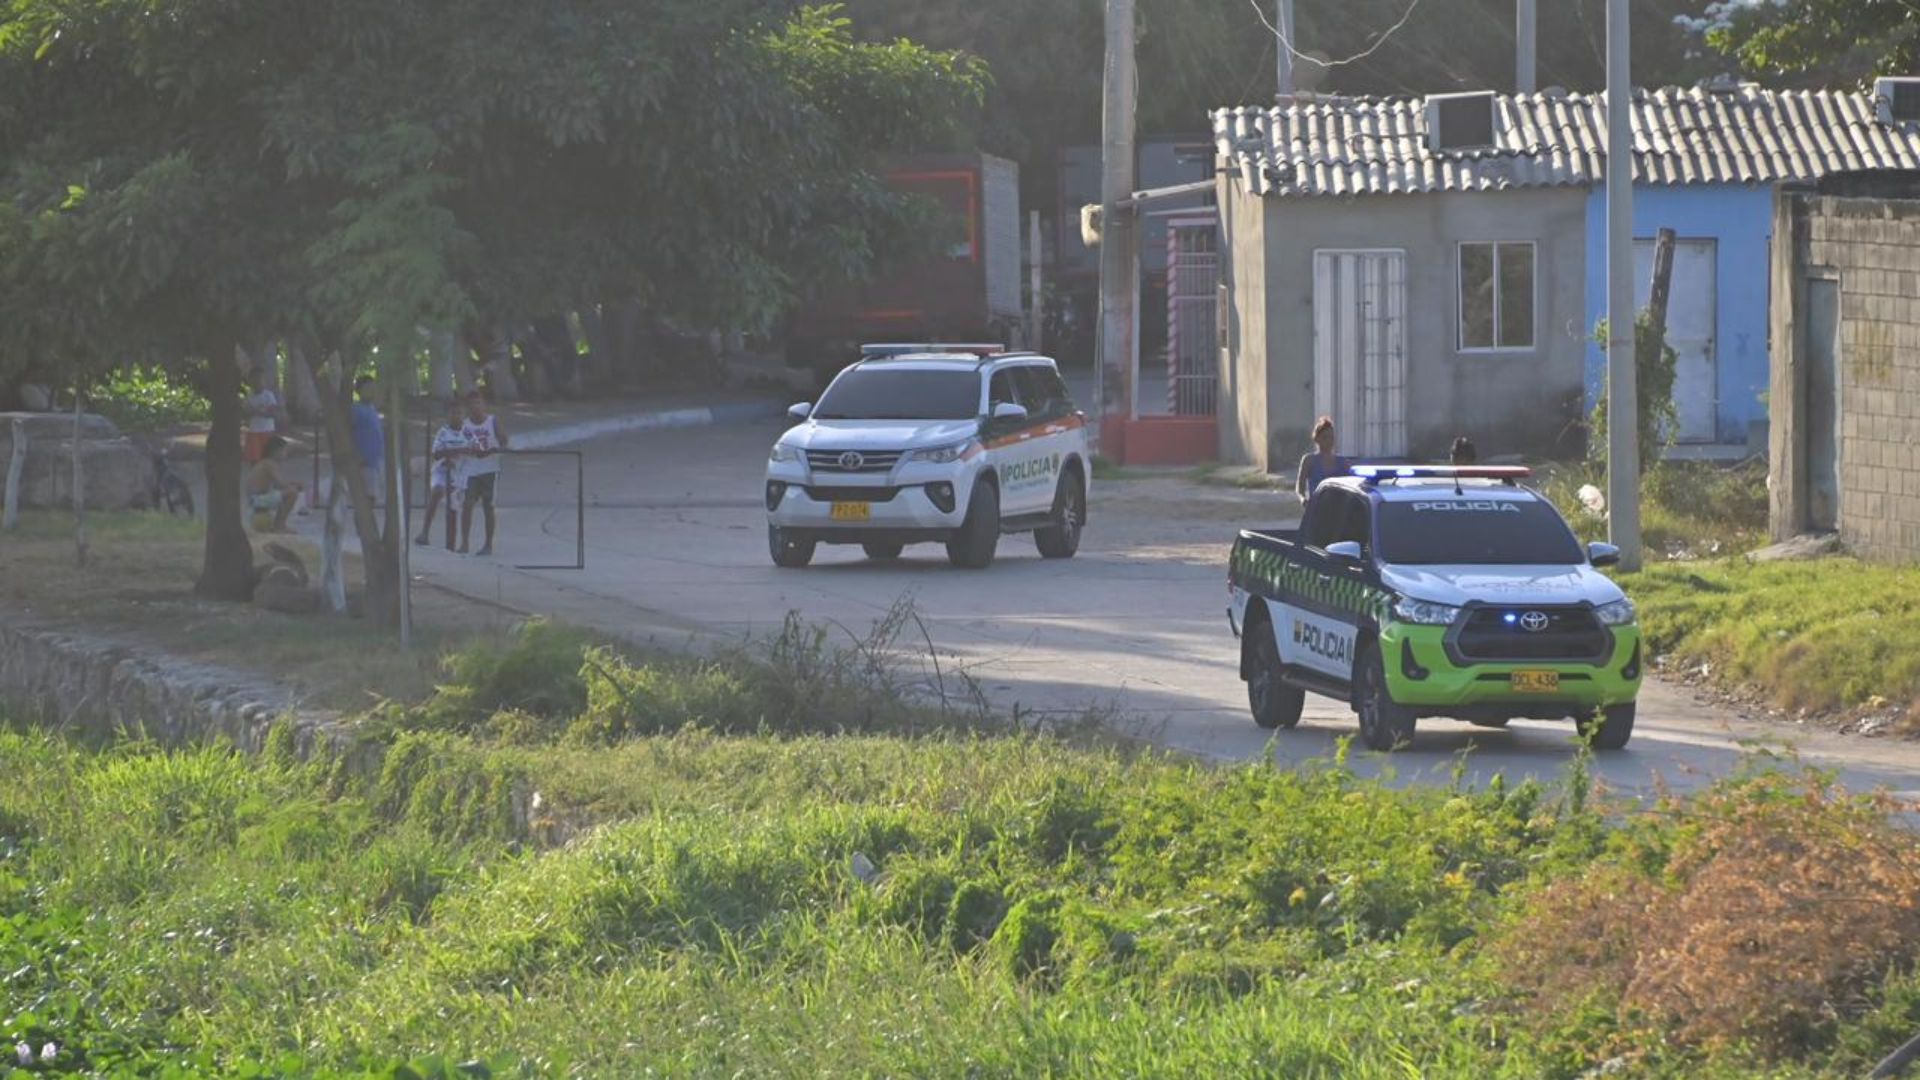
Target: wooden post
column 79, row 489
column 1662, row 283
column 16, row 468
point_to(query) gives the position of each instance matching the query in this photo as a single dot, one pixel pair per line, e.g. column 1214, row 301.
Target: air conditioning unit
column 1897, row 100
column 1460, row 122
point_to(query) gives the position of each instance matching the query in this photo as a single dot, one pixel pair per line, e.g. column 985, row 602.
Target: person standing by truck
column 1321, row 462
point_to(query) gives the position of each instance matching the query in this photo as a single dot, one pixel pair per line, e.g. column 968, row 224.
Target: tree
column 177, row 176
column 1816, row 43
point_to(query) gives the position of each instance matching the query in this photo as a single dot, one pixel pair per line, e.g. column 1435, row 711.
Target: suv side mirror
column 1007, row 410
column 800, row 411
column 1346, row 551
column 1600, row 554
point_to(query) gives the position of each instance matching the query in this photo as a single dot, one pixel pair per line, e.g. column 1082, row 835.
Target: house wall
column 1739, row 219
column 1872, row 248
column 1242, row 409
column 1508, row 402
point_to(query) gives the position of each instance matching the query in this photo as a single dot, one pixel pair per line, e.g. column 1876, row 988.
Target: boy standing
column 369, row 438
column 263, row 414
column 484, row 442
column 447, row 480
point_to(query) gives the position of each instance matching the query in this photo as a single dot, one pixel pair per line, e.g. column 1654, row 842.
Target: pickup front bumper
column 1425, row 675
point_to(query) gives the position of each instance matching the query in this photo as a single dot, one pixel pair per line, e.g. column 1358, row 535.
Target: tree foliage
column 1821, row 43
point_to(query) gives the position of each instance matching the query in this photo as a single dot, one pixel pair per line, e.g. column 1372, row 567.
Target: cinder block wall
column 1873, row 245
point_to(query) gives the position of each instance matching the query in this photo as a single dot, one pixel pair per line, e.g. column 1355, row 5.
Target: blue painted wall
column 1740, row 218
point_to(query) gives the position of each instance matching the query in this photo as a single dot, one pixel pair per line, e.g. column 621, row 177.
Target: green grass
column 1038, row 910
column 1688, row 510
column 1827, row 634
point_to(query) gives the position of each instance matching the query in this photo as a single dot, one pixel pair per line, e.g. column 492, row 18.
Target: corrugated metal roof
column 1740, row 134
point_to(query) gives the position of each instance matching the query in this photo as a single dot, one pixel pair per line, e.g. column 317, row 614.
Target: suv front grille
column 853, row 461
column 1571, row 633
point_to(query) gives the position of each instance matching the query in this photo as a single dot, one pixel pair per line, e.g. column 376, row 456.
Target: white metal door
column 1360, row 349
column 1692, row 315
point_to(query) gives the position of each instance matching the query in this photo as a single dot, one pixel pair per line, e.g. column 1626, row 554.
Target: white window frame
column 1460, row 298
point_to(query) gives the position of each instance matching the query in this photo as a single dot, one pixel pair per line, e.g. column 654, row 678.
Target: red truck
column 970, row 291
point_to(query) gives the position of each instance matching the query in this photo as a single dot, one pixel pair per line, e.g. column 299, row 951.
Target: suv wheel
column 1062, row 538
column 1275, row 705
column 1613, row 727
column 972, row 547
column 791, row 554
column 1384, row 725
column 882, row 551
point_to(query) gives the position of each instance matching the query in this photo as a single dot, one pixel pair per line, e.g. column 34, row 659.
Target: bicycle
column 166, row 490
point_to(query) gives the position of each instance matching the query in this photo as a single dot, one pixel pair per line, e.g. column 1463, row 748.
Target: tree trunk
column 16, row 465
column 333, row 577
column 498, row 360
column 79, row 490
column 226, row 571
column 441, row 380
column 376, row 552
column 303, row 396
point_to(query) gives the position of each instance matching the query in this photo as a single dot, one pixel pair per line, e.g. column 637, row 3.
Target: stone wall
column 115, row 474
column 100, row 687
column 1871, row 247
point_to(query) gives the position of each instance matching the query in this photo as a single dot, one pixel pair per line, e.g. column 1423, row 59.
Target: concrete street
column 676, row 552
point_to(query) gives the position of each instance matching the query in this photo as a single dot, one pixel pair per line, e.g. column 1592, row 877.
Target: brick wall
column 1873, row 247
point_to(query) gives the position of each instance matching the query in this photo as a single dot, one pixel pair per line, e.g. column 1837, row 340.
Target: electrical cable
column 1344, row 61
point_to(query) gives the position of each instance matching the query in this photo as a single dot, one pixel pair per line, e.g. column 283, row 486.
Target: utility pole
column 1526, row 33
column 1623, row 401
column 1283, row 21
column 1119, row 252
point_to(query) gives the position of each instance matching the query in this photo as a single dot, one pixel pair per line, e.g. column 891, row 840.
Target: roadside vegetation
column 1689, row 510
column 146, row 400
column 574, row 860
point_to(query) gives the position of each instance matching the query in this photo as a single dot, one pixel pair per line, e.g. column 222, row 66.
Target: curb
column 734, row 412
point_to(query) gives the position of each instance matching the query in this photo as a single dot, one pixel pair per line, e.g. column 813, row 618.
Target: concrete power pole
column 1526, row 35
column 1119, row 249
column 1623, row 401
column 1283, row 65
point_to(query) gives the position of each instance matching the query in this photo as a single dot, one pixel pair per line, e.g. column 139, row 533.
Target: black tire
column 973, row 547
column 789, row 554
column 882, row 551
column 1275, row 705
column 1061, row 539
column 1384, row 725
column 1612, row 729
column 177, row 495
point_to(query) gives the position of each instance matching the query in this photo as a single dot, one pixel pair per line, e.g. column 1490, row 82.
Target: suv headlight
column 1618, row 613
column 782, row 453
column 1424, row 613
column 943, row 455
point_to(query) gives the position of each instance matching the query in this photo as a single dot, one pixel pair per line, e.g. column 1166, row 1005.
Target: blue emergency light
column 1375, row 474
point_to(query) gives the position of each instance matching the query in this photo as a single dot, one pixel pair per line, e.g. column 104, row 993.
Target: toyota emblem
column 851, row 461
column 1534, row 622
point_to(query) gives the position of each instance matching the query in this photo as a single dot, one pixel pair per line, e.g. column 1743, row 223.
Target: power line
column 1413, row 6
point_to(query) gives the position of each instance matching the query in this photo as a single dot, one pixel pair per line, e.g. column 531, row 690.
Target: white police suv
column 932, row 444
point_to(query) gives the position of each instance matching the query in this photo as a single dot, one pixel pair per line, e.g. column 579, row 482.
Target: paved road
column 676, row 548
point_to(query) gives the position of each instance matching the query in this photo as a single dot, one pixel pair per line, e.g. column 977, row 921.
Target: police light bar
column 885, row 349
column 1375, row 474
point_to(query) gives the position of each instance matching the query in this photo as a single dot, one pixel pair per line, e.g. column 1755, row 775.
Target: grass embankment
column 866, row 905
column 138, row 585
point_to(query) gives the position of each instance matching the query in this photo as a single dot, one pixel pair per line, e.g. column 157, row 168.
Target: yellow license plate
column 1536, row 682
column 852, row 511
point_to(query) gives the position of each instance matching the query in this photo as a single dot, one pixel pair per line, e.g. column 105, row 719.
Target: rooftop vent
column 1459, row 122
column 1897, row 100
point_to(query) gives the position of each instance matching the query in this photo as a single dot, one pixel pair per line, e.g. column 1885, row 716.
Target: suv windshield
column 1454, row 531
column 875, row 393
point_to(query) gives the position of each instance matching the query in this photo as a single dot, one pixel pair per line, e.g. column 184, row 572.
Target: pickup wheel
column 788, row 553
column 882, row 551
column 1384, row 725
column 1612, row 729
column 1062, row 538
column 1275, row 705
column 972, row 547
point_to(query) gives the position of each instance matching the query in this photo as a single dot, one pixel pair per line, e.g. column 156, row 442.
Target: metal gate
column 1360, row 348
column 1193, row 301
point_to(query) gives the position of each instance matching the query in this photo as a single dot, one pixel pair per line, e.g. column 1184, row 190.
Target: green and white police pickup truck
column 1416, row 591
